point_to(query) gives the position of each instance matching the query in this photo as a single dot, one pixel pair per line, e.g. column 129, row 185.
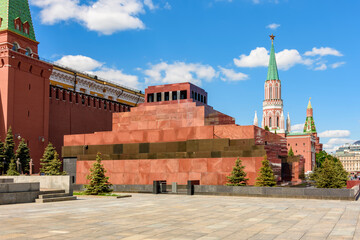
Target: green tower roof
column 309, row 126
column 13, row 9
column 272, row 70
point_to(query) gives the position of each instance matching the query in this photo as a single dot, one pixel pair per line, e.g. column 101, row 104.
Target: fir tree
column 98, row 181
column 291, row 152
column 331, row 174
column 49, row 155
column 238, row 175
column 266, row 177
column 12, row 169
column 267, row 128
column 9, row 146
column 54, row 166
column 50, row 163
column 23, row 154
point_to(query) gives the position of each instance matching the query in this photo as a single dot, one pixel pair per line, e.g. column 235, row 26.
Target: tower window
column 205, row 100
column 64, row 95
column 15, row 47
column 167, row 96
column 270, row 122
column 83, row 99
column 105, row 105
column 277, row 121
column 94, row 102
column 28, row 52
column 270, row 93
column 70, row 96
column 57, row 93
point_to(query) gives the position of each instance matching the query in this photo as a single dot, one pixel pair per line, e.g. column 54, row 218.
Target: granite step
column 55, row 199
column 51, row 191
column 53, row 195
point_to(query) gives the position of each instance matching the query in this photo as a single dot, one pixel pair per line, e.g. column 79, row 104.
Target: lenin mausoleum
column 169, row 133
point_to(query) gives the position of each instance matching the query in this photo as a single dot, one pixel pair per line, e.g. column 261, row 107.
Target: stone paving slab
column 147, row 216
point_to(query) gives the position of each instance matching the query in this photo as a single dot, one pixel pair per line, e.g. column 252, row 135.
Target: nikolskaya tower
column 273, row 113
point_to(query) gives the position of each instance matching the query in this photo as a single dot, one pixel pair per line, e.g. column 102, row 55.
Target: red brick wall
column 76, row 118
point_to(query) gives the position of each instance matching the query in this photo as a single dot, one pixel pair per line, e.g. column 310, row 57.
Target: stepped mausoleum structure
column 175, row 136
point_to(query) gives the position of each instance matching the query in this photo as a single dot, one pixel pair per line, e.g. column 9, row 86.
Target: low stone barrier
column 122, row 188
column 11, row 193
column 281, row 192
column 49, row 182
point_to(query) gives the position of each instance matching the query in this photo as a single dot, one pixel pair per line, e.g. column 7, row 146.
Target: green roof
column 309, row 126
column 13, row 9
column 272, row 70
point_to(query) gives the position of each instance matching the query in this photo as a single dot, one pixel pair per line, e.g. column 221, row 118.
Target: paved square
column 147, row 216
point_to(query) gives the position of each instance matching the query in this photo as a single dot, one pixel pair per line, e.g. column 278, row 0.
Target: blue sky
column 221, row 45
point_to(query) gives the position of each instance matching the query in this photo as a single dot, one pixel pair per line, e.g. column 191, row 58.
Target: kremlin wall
column 170, row 133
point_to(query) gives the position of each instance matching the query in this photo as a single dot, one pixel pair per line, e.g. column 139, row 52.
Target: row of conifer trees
column 328, row 173
column 50, row 162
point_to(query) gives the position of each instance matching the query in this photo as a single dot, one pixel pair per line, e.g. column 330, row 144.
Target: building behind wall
column 41, row 101
column 349, row 156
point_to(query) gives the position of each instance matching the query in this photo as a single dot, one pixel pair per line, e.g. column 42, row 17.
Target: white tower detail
column 288, row 124
column 256, row 120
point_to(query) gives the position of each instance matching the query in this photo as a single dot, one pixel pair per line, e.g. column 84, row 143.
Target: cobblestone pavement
column 147, row 216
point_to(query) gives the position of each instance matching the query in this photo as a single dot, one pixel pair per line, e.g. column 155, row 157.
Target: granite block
column 144, row 148
column 118, row 148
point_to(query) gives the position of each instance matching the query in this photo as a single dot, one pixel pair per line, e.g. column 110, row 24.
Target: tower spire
column 16, row 17
column 256, row 120
column 272, row 69
column 309, row 126
column 309, row 105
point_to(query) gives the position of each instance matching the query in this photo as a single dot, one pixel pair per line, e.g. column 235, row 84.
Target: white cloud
column 273, row 26
column 231, row 75
column 337, row 64
column 334, row 134
column 104, row 16
column 94, row 67
column 297, row 127
column 79, row 62
column 118, row 76
column 323, row 51
column 259, row 57
column 321, row 67
column 150, row 4
column 334, row 143
column 176, row 72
